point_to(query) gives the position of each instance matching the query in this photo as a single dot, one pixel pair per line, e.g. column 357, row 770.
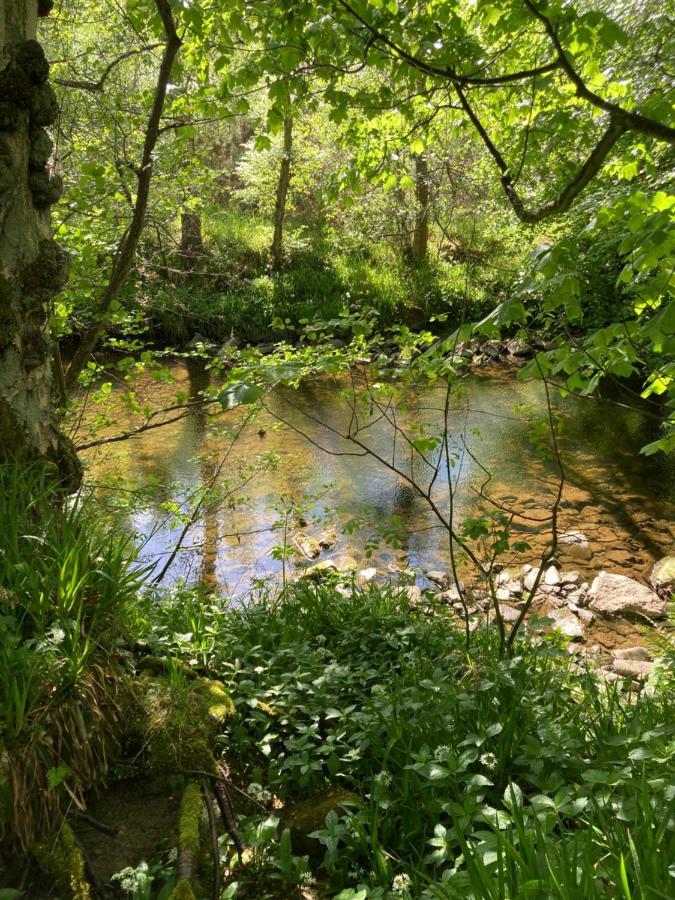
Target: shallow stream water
column 622, row 501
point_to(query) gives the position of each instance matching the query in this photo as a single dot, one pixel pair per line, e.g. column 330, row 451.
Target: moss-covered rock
column 173, row 722
column 307, row 816
column 63, row 861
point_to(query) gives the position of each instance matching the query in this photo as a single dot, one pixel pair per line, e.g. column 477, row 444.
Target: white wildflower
column 383, row 778
column 441, row 752
column 489, row 760
column 258, row 792
column 401, row 885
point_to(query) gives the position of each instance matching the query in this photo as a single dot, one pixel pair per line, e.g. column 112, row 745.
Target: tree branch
column 96, row 87
column 616, row 128
column 633, row 121
column 126, row 251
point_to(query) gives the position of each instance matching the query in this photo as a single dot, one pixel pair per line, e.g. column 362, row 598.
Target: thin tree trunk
column 33, row 268
column 126, row 250
column 420, row 241
column 282, row 193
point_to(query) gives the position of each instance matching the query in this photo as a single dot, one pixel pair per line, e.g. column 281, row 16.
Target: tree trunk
column 282, row 193
column 420, row 239
column 33, row 268
column 191, row 245
column 126, row 250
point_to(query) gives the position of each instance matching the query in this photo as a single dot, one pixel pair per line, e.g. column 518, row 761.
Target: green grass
column 241, row 294
column 67, row 596
column 478, row 777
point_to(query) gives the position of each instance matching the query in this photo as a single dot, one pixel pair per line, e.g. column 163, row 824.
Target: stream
column 620, row 500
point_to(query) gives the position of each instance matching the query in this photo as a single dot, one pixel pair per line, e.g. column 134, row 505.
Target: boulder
column 328, row 538
column 663, row 577
column 518, row 347
column 575, row 543
column 618, row 595
column 346, row 564
column 509, row 613
column 630, row 668
column 442, row 579
column 306, row 546
column 567, row 623
column 636, row 654
column 450, row 596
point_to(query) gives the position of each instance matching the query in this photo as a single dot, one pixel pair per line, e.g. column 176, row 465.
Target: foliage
column 67, row 593
column 479, row 777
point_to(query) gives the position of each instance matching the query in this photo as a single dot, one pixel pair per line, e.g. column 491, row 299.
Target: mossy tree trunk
column 33, row 268
column 282, row 193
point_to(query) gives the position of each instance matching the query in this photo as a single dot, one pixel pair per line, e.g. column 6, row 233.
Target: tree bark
column 282, row 193
column 191, row 245
column 33, row 268
column 420, row 241
column 126, row 250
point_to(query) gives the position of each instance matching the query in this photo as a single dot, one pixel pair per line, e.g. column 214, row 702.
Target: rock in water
column 618, row 595
column 576, row 544
column 663, row 576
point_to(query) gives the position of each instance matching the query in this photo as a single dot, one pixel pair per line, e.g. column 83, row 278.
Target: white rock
column 365, row 576
column 618, row 595
column 551, row 576
column 567, row 623
column 585, row 615
column 570, row 578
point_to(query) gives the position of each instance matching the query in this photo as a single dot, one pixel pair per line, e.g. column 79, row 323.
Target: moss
column 182, row 891
column 174, row 721
column 44, row 107
column 190, row 817
column 45, row 189
column 220, row 704
column 64, row 862
column 30, row 58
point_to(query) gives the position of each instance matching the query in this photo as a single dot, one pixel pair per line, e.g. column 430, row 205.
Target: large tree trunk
column 282, row 193
column 32, row 266
column 420, row 240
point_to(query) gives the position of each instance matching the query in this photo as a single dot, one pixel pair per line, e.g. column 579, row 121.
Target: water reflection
column 621, row 500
